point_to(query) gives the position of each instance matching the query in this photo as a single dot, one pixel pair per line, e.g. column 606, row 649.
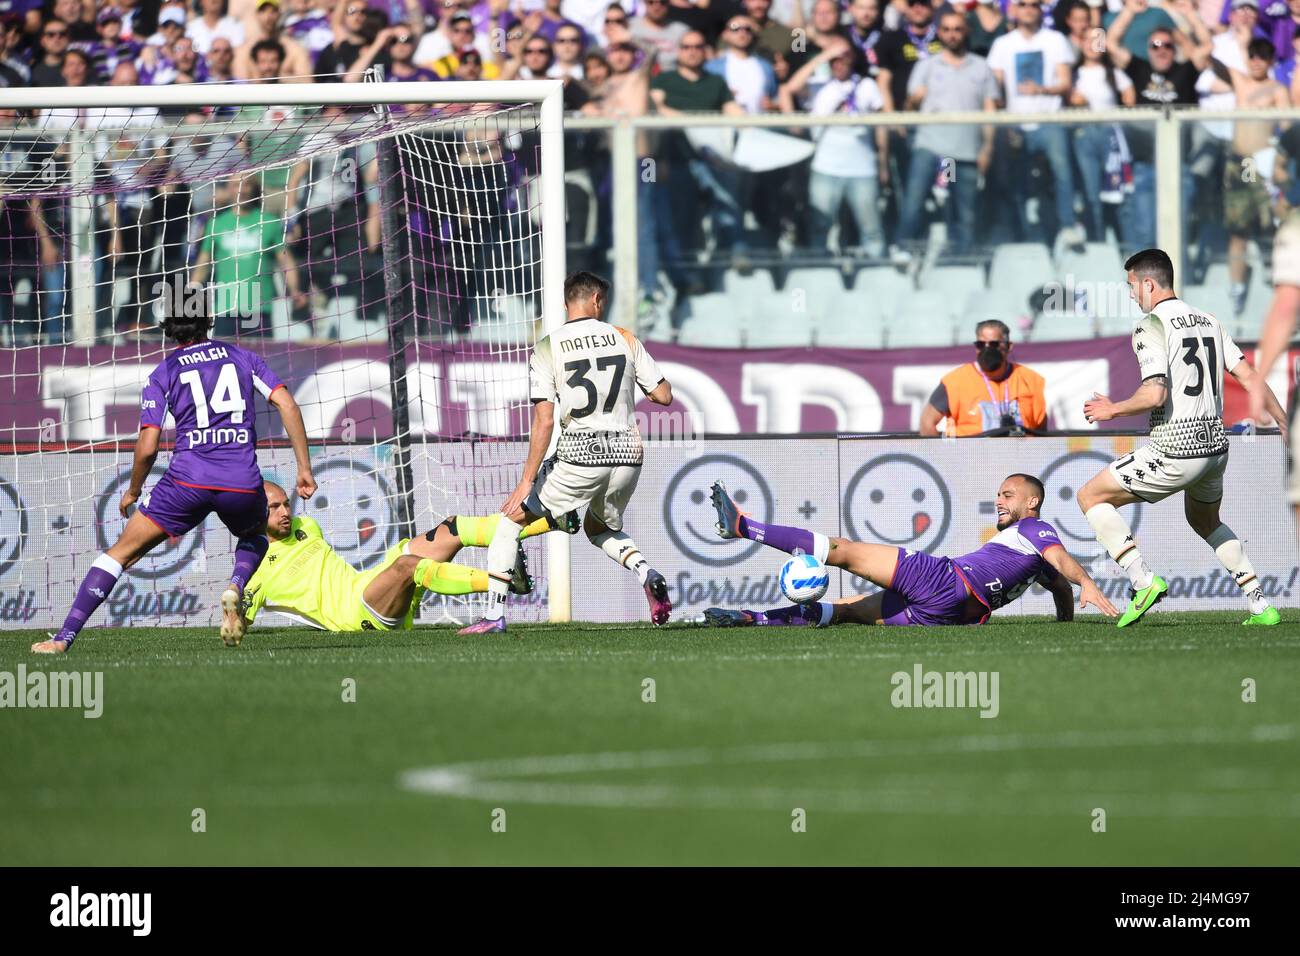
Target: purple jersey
column 311, row 29
column 1010, row 562
column 208, row 388
column 421, row 75
column 18, row 8
column 105, row 57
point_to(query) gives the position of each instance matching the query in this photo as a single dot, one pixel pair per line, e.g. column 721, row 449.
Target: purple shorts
column 925, row 590
column 178, row 508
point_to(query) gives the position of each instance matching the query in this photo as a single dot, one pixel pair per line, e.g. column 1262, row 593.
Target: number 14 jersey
column 594, row 373
column 1193, row 350
column 208, row 387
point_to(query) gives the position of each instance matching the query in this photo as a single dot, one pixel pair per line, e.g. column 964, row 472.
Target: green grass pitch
column 550, row 725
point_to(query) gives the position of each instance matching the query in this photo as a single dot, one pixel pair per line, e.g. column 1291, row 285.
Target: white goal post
column 398, row 107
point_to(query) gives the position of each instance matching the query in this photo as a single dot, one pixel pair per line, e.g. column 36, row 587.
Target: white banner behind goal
column 930, row 495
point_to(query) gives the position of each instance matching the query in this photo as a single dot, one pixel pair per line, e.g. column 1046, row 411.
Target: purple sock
column 98, row 583
column 779, row 536
column 795, row 614
column 249, row 553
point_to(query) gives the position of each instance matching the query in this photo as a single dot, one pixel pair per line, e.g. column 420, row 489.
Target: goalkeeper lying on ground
column 305, row 579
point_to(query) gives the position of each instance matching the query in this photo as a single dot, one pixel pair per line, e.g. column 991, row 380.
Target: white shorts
column 562, row 487
column 1153, row 476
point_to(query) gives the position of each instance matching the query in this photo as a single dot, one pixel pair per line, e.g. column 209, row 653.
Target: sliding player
column 208, row 387
column 922, row 588
column 592, row 372
column 1182, row 353
column 305, row 579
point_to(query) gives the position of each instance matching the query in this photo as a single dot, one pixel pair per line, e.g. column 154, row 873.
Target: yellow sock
column 444, row 577
column 540, row 526
column 477, row 532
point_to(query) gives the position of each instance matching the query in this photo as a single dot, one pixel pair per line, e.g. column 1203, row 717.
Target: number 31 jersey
column 594, row 373
column 1192, row 349
column 208, row 387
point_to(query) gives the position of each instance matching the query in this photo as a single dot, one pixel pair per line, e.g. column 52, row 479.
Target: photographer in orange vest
column 990, row 395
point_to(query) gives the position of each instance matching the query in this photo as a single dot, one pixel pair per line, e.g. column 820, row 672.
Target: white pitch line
column 300, row 656
column 501, row 780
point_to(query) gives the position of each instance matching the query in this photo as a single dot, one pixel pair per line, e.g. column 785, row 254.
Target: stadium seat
column 1096, row 277
column 924, row 318
column 994, row 303
column 655, row 332
column 1259, row 296
column 342, row 320
column 1115, row 324
column 819, row 294
column 1216, row 274
column 1217, row 288
column 1060, row 327
column 712, row 322
column 885, row 286
column 778, row 325
column 508, row 321
column 860, row 325
column 758, row 284
column 749, row 294
column 1214, row 299
column 821, row 290
column 958, row 282
column 1020, row 268
column 1096, row 262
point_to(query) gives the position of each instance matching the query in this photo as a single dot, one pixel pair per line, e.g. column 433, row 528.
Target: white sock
column 821, row 547
column 1233, row 557
column 106, row 563
column 623, row 550
column 827, row 611
column 1117, row 538
column 500, row 565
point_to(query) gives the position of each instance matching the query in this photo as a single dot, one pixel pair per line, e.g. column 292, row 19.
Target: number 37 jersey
column 594, row 373
column 208, row 387
column 1192, row 349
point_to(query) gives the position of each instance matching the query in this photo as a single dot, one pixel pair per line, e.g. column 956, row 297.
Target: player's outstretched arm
column 539, row 440
column 1253, row 382
column 1150, row 394
column 1072, row 571
column 146, row 452
column 291, row 415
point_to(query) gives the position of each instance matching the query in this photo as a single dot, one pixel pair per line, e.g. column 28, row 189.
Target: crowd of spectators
column 864, row 192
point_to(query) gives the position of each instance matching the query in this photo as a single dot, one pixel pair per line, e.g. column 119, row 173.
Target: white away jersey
column 594, row 373
column 1192, row 350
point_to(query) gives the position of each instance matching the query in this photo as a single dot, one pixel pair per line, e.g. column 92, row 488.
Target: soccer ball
column 804, row 579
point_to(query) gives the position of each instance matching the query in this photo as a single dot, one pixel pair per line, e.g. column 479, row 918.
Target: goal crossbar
column 286, row 94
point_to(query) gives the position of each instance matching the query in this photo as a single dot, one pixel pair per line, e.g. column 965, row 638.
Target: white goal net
column 390, row 262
